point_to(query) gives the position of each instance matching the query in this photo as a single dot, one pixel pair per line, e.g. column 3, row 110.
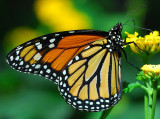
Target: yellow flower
column 61, row 15
column 149, row 43
column 152, row 71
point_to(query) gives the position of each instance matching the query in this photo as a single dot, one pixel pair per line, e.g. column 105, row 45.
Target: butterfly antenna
column 140, row 27
column 133, row 12
column 133, row 23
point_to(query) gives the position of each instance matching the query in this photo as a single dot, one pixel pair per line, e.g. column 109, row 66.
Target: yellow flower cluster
column 149, row 43
column 61, row 15
column 151, row 70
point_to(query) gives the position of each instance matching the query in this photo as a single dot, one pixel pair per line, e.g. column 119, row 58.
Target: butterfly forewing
column 49, row 54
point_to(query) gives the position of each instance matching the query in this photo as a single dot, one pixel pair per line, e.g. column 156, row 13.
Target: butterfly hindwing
column 92, row 79
column 49, row 54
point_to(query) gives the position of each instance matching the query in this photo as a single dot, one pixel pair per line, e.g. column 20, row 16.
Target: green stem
column 106, row 113
column 146, row 96
column 154, row 99
column 144, row 88
column 146, row 105
column 152, row 96
column 146, row 101
column 150, row 106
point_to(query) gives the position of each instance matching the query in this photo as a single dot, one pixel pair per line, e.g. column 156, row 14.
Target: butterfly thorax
column 115, row 41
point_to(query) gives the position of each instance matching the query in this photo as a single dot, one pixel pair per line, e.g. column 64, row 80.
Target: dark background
column 26, row 96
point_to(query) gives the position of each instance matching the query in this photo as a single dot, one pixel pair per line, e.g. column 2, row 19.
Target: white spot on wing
column 52, row 40
column 97, row 103
column 51, row 46
column 87, row 47
column 97, row 107
column 115, row 95
column 48, row 71
column 79, row 106
column 62, row 90
column 107, row 46
column 45, row 66
column 66, row 77
column 21, row 63
column 41, row 72
column 101, row 100
column 86, row 102
column 37, row 56
column 102, row 106
column 71, row 31
column 70, row 62
column 29, row 43
column 33, row 65
column 109, row 41
column 65, row 94
column 44, row 38
column 54, row 74
column 107, row 105
column 17, row 52
column 113, row 37
column 57, row 34
column 110, row 50
column 79, row 102
column 11, row 58
column 37, row 66
column 37, row 43
column 64, row 72
column 77, row 58
column 74, row 103
column 64, row 85
column 19, row 47
column 92, row 108
column 39, row 46
column 60, row 83
column 27, row 66
column 86, row 106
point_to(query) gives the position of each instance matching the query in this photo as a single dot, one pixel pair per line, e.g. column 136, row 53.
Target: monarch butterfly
column 84, row 63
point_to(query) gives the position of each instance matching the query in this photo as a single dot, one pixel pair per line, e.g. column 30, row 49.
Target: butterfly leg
column 129, row 62
column 140, row 48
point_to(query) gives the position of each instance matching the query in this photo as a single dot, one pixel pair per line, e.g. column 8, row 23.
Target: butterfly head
column 116, row 30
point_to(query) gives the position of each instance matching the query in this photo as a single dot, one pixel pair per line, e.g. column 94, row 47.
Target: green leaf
column 130, row 87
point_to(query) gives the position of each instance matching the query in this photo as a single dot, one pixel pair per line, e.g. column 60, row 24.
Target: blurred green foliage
column 25, row 96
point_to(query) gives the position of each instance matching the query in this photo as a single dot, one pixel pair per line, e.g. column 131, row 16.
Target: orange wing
column 49, row 54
